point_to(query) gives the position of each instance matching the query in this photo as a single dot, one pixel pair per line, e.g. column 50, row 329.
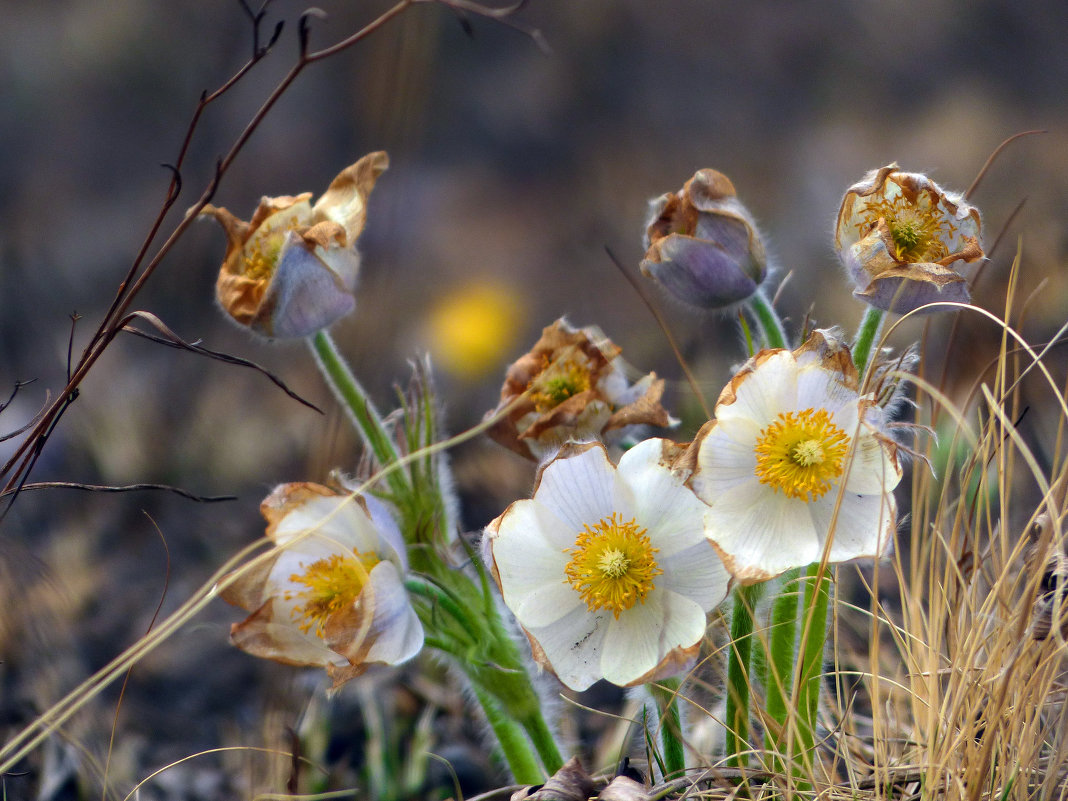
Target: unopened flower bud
column 902, row 238
column 702, row 245
column 291, row 270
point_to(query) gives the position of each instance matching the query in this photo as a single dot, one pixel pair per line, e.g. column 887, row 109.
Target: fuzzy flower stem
column 813, row 642
column 353, row 398
column 745, row 599
column 514, row 746
column 867, row 333
column 781, row 658
column 664, row 693
column 767, row 319
column 539, row 733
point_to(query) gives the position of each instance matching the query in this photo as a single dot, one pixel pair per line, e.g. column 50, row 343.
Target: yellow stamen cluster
column 612, row 565
column 333, row 584
column 263, row 249
column 918, row 230
column 560, row 380
column 801, row 453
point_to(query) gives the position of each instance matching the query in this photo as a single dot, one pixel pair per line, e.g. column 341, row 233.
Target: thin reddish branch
column 18, row 466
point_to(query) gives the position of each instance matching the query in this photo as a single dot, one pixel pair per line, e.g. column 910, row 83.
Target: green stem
column 768, row 319
column 745, row 599
column 353, row 398
column 781, row 653
column 539, row 733
column 867, row 333
column 665, row 693
column 441, row 599
column 813, row 644
column 514, row 745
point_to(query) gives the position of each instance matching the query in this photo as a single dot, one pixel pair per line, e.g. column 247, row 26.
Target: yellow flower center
column 332, row 585
column 918, row 231
column 801, row 453
column 560, row 380
column 612, row 565
column 262, row 250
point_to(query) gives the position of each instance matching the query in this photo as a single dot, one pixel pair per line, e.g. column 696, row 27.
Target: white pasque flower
column 333, row 595
column 608, row 570
column 793, row 456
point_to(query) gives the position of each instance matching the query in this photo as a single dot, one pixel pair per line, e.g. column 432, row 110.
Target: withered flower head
column 572, row 386
column 702, row 245
column 333, row 594
column 291, row 270
column 901, row 237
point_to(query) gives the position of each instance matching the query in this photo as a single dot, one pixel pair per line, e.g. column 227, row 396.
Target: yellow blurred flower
column 471, row 328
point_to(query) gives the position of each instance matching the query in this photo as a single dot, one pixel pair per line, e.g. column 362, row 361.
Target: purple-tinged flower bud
column 702, row 245
column 901, row 237
column 291, row 270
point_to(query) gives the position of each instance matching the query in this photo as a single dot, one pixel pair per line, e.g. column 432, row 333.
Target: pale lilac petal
column 390, row 540
column 305, row 295
column 396, row 627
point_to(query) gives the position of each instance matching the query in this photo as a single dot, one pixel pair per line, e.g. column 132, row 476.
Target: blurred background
column 514, row 167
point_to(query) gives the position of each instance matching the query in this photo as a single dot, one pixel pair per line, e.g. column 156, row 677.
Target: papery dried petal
column 902, row 238
column 571, row 386
column 291, row 270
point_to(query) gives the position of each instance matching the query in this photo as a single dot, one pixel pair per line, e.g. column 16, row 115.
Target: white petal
column 765, row 392
column 572, row 645
column 819, row 388
column 669, row 511
column 861, row 528
column 727, row 458
column 646, row 633
column 872, row 471
column 696, row 573
column 399, row 632
column 547, row 603
column 529, row 550
column 333, row 518
column 578, row 489
column 763, row 532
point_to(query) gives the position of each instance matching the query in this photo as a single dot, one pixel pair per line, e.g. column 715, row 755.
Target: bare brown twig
column 19, row 465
